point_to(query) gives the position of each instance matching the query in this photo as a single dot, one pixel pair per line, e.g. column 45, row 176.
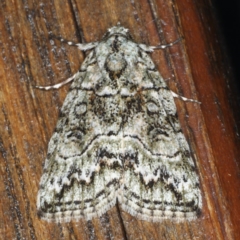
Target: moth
column 118, row 138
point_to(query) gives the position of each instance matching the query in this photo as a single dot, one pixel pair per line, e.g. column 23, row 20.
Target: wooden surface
column 195, row 68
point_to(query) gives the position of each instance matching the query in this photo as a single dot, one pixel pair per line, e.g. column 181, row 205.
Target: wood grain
column 195, row 68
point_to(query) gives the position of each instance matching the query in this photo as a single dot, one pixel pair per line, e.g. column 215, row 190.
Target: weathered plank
column 195, row 68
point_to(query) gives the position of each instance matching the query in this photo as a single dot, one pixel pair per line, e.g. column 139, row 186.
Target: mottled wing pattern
column 118, row 137
column 79, row 179
column 161, row 181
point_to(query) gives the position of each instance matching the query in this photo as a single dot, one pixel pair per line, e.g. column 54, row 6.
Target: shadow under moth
column 118, row 138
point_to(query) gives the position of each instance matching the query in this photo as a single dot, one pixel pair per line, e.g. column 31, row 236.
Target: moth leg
column 183, row 98
column 81, row 46
column 58, row 85
column 167, row 45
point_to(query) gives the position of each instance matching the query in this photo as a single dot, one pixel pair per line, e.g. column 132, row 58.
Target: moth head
column 117, row 30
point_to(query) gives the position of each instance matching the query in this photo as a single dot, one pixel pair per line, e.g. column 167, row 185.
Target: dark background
column 228, row 14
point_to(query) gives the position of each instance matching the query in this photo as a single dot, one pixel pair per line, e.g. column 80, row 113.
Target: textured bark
column 195, row 68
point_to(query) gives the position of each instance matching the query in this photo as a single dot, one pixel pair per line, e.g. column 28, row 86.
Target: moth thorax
column 115, row 62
